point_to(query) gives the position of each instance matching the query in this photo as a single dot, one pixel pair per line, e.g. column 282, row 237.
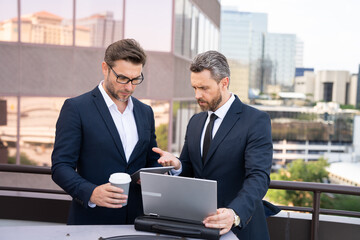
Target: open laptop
column 183, row 198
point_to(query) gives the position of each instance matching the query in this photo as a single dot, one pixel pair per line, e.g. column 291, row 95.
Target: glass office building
column 266, row 58
column 242, row 41
column 281, row 50
column 52, row 50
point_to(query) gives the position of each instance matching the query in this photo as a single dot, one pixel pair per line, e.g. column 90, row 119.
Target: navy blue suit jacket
column 239, row 159
column 88, row 150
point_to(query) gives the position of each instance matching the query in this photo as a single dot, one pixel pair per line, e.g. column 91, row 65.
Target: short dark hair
column 213, row 61
column 125, row 49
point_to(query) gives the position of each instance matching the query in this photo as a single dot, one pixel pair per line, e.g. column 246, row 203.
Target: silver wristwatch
column 236, row 219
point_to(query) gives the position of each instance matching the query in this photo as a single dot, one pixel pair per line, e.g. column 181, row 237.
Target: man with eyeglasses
column 102, row 132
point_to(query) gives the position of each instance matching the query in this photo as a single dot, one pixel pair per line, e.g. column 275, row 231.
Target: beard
column 111, row 89
column 213, row 104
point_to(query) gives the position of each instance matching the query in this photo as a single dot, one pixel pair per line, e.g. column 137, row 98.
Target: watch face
column 237, row 220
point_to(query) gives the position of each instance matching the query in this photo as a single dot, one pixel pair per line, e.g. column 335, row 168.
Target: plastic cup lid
column 120, row 178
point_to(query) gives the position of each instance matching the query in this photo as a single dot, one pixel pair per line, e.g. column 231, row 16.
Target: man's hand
column 223, row 219
column 167, row 159
column 108, row 196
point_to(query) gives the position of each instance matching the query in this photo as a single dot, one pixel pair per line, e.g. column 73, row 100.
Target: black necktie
column 208, row 136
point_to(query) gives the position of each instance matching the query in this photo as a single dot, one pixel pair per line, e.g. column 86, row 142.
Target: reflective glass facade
column 58, row 55
column 9, row 21
column 242, row 41
column 280, row 49
column 194, row 31
column 150, row 23
column 98, row 23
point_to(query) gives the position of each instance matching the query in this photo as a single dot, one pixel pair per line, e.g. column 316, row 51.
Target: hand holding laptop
column 223, row 220
column 167, row 159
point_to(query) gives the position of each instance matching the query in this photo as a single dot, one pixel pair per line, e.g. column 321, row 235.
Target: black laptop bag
column 175, row 227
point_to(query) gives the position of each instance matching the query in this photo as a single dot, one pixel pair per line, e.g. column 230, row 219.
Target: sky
column 330, row 29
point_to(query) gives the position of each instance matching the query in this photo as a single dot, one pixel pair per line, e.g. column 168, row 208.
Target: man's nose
column 128, row 86
column 198, row 94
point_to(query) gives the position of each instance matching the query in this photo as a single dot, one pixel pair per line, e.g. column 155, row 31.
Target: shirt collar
column 221, row 112
column 110, row 103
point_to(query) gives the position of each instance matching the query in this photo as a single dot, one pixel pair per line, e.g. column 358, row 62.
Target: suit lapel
column 140, row 125
column 231, row 117
column 106, row 116
column 196, row 140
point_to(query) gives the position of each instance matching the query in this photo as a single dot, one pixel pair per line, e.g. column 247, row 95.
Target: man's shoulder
column 83, row 100
column 138, row 103
column 248, row 109
column 198, row 117
column 252, row 109
column 85, row 95
column 200, row 114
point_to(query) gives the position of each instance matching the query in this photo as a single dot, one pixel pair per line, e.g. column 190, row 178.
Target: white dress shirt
column 124, row 122
column 125, row 125
column 220, row 113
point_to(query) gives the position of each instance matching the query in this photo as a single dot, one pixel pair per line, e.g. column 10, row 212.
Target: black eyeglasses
column 125, row 80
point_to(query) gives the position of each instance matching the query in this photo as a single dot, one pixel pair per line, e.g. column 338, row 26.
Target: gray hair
column 213, row 61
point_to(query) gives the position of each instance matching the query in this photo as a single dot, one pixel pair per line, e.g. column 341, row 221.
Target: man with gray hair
column 229, row 142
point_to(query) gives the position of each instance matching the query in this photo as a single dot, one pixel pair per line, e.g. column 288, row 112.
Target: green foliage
column 347, row 106
column 307, row 116
column 309, row 172
column 162, row 136
column 176, row 106
column 342, row 202
column 298, row 171
column 274, row 96
column 24, row 160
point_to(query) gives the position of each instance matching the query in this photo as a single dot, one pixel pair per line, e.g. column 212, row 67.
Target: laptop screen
column 190, row 199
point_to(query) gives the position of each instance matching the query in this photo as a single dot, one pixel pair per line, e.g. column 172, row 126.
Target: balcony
column 27, row 193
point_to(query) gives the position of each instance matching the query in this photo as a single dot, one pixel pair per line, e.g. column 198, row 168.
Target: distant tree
column 24, row 160
column 162, row 136
column 343, row 202
column 302, row 171
column 309, row 172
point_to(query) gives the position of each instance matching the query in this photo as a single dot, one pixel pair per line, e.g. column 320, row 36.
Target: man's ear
column 225, row 82
column 104, row 68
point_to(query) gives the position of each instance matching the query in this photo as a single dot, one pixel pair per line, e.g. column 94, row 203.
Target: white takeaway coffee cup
column 121, row 180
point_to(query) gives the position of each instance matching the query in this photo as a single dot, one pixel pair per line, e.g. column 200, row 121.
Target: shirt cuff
column 176, row 172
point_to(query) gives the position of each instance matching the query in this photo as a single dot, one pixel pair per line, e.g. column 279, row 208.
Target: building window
column 347, row 97
column 328, row 89
column 194, row 31
column 47, row 22
column 150, row 23
column 8, row 21
column 38, row 117
column 98, row 24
